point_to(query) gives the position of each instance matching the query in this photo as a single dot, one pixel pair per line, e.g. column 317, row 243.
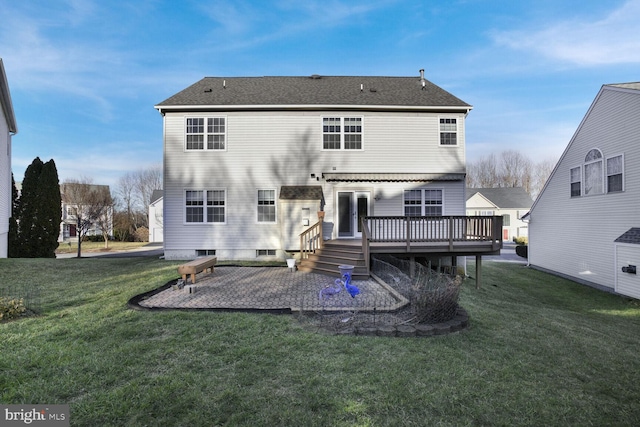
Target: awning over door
column 391, row 177
column 301, row 192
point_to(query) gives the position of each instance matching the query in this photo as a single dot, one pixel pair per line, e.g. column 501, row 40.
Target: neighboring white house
column 511, row 203
column 155, row 216
column 8, row 128
column 68, row 226
column 249, row 161
column 583, row 225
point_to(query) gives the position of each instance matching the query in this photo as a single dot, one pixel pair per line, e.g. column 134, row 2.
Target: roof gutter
column 5, row 101
column 314, row 107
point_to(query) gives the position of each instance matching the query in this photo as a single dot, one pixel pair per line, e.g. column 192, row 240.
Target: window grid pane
column 266, row 206
column 215, row 206
column 448, row 131
column 576, row 181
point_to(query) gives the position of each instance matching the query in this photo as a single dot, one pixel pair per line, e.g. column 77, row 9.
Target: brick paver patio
column 272, row 288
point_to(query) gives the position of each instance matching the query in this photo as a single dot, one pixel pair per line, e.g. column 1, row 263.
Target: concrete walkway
column 273, row 289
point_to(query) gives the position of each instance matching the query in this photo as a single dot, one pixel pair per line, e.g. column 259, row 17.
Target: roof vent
column 422, row 81
column 316, row 76
column 373, row 89
column 208, row 89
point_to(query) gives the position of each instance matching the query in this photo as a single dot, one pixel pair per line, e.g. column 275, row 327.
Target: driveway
column 152, row 249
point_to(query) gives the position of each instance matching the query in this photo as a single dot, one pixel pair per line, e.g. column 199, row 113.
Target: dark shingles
column 504, row 197
column 326, row 90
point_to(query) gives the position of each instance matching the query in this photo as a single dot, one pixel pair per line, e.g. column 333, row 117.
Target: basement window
column 265, row 252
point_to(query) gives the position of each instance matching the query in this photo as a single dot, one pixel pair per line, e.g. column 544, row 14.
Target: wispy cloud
column 613, row 39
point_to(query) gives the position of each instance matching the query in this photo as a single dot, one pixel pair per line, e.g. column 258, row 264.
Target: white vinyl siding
column 559, row 224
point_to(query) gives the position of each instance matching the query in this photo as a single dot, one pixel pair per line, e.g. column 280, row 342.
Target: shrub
column 10, row 308
column 522, row 251
column 142, row 234
column 522, row 240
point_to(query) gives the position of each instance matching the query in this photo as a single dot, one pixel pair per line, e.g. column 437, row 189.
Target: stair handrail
column 311, row 240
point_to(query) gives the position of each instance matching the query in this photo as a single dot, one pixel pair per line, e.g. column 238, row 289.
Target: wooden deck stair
column 333, row 254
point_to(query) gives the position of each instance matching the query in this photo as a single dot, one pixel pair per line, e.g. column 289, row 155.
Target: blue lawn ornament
column 352, row 289
column 329, row 291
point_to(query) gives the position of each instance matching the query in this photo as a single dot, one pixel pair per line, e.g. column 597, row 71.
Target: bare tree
column 542, row 172
column 509, row 169
column 134, row 190
column 89, row 204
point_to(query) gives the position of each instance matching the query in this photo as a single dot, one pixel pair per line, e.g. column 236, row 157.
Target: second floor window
column 449, row 131
column 342, row 133
column 205, row 133
column 615, row 169
column 576, row 182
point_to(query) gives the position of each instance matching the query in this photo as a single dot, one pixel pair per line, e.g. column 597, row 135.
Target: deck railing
column 311, row 240
column 442, row 229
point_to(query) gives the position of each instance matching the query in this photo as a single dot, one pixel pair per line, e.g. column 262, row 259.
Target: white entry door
column 352, row 206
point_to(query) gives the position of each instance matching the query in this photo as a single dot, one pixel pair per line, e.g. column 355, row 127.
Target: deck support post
column 478, row 270
column 412, row 267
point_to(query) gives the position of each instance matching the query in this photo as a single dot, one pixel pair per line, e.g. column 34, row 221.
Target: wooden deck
column 446, row 236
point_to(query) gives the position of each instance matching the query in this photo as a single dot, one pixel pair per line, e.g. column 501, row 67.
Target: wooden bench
column 196, row 266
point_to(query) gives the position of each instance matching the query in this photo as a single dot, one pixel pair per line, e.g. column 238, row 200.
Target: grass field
column 540, row 351
column 66, row 248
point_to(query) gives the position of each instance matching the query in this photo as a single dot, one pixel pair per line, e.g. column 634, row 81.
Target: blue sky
column 85, row 74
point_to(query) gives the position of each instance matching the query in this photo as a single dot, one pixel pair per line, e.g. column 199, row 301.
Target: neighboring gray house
column 250, row 161
column 155, row 217
column 583, row 225
column 8, row 128
column 511, row 203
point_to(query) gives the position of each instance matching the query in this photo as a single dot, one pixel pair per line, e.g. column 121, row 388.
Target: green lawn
column 540, row 351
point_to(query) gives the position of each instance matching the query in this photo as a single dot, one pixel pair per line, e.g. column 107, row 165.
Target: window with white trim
column 615, row 174
column 593, row 169
column 211, row 130
column 448, row 131
column 576, row 181
column 423, row 202
column 266, row 205
column 205, row 206
column 342, row 133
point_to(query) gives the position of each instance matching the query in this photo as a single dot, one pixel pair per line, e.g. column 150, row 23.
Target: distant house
column 155, row 216
column 511, row 203
column 584, row 224
column 256, row 167
column 68, row 226
column 8, row 128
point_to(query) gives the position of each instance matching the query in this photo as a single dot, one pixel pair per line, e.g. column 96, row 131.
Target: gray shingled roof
column 505, row 197
column 631, row 85
column 630, row 236
column 314, row 91
column 301, row 192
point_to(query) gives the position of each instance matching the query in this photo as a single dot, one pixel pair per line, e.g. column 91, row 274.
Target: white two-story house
column 8, row 128
column 250, row 161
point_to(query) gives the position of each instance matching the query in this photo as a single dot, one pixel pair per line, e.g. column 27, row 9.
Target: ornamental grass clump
column 11, row 308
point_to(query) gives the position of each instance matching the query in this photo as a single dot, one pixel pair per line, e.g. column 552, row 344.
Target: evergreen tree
column 28, row 211
column 13, row 240
column 49, row 211
column 38, row 212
